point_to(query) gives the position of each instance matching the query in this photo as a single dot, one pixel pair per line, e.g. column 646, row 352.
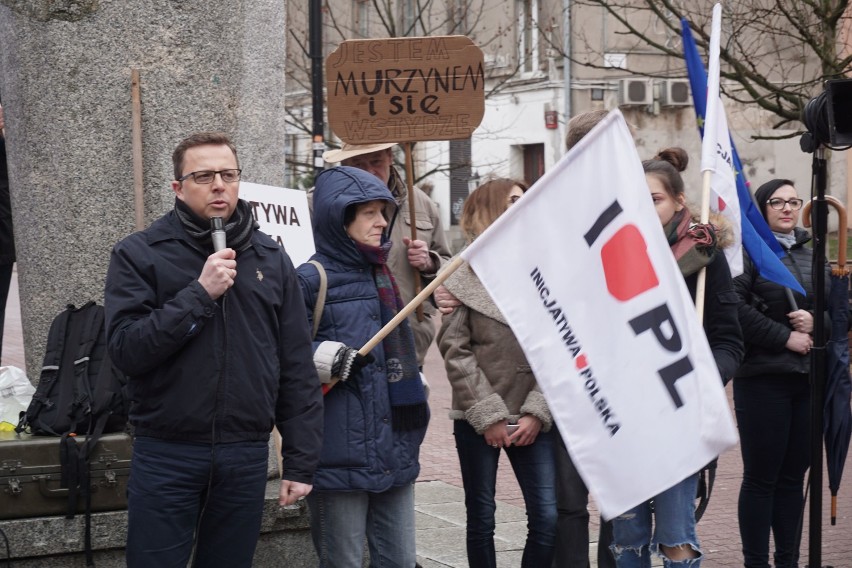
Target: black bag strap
column 80, row 337
column 87, row 497
column 706, row 480
column 69, row 460
column 321, row 294
column 86, row 336
column 74, row 461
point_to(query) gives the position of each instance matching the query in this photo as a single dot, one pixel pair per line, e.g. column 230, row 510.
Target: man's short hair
column 581, row 125
column 200, row 139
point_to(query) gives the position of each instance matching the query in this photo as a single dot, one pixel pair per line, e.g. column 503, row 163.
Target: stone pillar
column 65, row 68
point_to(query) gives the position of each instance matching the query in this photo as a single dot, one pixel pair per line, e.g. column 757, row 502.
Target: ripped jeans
column 674, row 524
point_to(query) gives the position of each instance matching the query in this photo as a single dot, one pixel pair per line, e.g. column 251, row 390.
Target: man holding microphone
column 218, row 351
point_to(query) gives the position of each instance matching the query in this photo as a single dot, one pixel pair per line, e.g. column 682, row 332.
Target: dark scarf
column 238, row 229
column 693, row 245
column 409, row 410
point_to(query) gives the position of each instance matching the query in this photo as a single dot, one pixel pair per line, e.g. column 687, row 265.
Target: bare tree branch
column 775, row 55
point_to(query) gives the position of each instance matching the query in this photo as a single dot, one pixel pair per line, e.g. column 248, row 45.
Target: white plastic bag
column 16, row 392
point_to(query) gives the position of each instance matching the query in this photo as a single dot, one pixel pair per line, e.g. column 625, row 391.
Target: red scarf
column 692, row 244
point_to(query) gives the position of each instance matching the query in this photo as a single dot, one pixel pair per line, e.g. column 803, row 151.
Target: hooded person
column 425, row 254
column 376, row 416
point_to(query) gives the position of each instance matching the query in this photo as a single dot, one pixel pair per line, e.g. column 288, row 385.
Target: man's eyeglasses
column 778, row 204
column 207, row 176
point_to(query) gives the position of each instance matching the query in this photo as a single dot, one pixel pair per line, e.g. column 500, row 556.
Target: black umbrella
column 837, row 413
column 837, row 420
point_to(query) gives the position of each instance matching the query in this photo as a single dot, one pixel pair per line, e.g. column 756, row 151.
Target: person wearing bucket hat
column 348, row 151
column 427, row 253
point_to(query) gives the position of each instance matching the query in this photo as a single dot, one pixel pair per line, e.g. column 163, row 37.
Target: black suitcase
column 30, row 474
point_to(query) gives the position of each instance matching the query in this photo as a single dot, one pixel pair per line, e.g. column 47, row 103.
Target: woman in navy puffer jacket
column 376, row 415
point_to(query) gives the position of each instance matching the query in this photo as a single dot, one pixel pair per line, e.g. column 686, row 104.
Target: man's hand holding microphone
column 220, row 270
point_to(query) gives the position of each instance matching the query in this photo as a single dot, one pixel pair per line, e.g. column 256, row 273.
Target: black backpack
column 79, row 391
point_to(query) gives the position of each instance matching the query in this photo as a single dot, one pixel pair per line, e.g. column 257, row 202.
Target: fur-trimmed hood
column 468, row 288
column 724, row 230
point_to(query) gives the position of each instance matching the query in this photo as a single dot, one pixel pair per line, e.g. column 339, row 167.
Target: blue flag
column 759, row 242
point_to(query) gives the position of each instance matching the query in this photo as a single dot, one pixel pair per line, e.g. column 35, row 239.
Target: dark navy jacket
column 193, row 361
column 763, row 313
column 721, row 324
column 360, row 451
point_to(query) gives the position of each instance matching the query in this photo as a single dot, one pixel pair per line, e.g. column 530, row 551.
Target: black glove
column 347, row 362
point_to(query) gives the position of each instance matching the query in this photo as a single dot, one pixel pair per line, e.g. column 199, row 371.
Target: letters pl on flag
column 582, row 271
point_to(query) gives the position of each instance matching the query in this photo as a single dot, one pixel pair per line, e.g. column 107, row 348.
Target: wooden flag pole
column 421, row 297
column 448, row 269
column 701, row 284
column 279, row 456
column 136, row 145
column 412, row 212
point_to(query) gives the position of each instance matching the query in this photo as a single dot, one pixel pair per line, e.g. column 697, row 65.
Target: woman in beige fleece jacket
column 496, row 401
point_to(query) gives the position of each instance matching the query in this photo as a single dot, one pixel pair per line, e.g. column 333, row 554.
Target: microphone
column 217, row 233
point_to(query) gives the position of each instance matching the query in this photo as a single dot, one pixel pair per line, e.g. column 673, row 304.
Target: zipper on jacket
column 224, row 369
column 219, row 380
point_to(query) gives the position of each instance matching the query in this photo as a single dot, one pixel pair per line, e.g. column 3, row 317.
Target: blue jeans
column 176, row 489
column 773, row 417
column 341, row 520
column 572, row 528
column 536, row 474
column 674, row 520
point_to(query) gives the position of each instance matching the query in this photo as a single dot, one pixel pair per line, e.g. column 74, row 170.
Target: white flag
column 717, row 155
column 582, row 271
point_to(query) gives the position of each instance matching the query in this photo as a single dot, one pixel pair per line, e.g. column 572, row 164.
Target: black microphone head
column 217, row 233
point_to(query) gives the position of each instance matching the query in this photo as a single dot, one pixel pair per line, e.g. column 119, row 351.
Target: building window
column 410, row 17
column 528, row 40
column 361, row 11
column 533, row 162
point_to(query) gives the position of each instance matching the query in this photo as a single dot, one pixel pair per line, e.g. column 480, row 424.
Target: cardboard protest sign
column 405, row 89
column 283, row 215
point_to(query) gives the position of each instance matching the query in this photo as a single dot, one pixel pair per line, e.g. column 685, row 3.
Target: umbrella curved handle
column 841, row 269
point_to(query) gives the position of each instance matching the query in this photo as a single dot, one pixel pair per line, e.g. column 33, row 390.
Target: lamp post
column 315, row 40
